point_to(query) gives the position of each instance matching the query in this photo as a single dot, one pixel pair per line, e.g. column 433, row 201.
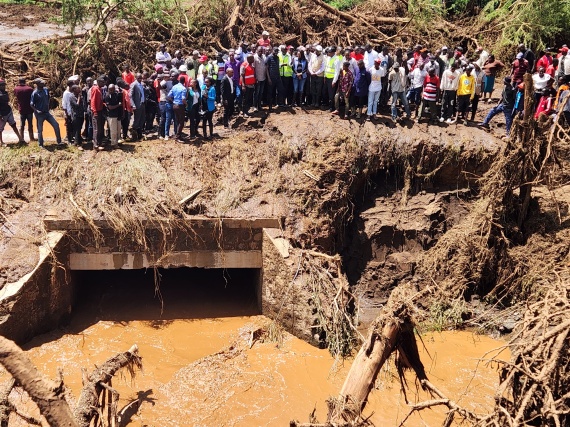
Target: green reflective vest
column 285, row 71
column 330, row 69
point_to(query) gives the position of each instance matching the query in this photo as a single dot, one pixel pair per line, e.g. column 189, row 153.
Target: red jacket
column 96, row 99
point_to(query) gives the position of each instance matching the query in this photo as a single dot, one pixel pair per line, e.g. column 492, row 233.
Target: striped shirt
column 431, row 84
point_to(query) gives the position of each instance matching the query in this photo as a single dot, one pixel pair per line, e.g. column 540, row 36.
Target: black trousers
column 207, row 119
column 77, row 124
column 247, row 98
column 330, row 93
column 194, row 119
column 228, row 110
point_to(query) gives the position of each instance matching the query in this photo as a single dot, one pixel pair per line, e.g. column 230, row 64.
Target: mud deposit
column 192, row 378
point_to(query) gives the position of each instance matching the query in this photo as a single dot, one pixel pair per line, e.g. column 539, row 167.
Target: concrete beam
column 137, row 260
column 53, row 223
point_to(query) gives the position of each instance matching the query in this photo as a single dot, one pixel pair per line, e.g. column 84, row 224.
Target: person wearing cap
column 286, row 74
column 204, row 66
column 397, row 80
column 505, row 105
column 377, row 73
column 465, row 92
column 235, row 65
column 6, row 114
column 528, row 55
column 264, row 41
column 317, row 71
column 183, row 70
column 519, row 67
column 23, row 94
column 491, row 68
column 40, row 104
column 162, row 56
column 275, row 85
column 137, row 100
column 260, row 77
column 247, row 82
column 448, row 85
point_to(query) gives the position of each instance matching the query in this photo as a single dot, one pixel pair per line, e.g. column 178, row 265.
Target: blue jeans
column 403, row 100
column 47, row 117
column 508, row 116
column 298, row 85
column 415, row 95
column 162, row 117
column 169, row 117
column 373, row 98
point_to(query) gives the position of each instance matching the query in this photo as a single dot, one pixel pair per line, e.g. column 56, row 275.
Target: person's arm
column 131, row 100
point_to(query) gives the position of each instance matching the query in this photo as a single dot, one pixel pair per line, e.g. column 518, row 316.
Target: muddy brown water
column 186, row 382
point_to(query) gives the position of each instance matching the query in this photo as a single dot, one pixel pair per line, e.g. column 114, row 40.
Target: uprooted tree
column 97, row 405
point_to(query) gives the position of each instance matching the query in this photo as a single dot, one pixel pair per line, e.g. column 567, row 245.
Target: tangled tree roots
column 535, row 385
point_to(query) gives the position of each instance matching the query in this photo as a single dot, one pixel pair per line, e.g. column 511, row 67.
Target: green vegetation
column 343, row 4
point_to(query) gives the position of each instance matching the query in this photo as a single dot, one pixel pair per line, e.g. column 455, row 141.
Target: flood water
column 188, row 381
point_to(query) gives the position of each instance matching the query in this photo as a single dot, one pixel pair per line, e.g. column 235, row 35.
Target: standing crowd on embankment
column 444, row 86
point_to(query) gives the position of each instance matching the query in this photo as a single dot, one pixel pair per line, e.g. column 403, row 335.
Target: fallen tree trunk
column 48, row 394
column 98, row 382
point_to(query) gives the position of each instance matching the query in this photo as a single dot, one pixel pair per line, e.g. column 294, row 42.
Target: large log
column 48, row 394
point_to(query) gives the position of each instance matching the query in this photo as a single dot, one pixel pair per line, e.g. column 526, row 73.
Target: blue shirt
column 40, row 100
column 211, row 97
column 178, row 94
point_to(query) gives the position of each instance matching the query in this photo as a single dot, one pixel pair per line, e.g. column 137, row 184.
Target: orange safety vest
column 249, row 75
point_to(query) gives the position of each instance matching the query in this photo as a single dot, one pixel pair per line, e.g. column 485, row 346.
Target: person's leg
column 162, row 120
column 30, row 120
column 111, row 122
column 492, row 113
column 77, row 125
column 210, row 115
column 404, row 102
column 420, row 110
column 23, row 125
column 445, row 105
column 319, row 91
column 14, row 127
column 55, row 125
column 395, row 97
column 296, row 84
column 329, row 93
column 508, row 121
column 180, row 113
column 474, row 106
column 370, row 108
column 40, row 123
column 168, row 119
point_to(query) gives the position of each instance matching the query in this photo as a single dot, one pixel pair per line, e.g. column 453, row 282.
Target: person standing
column 23, row 94
column 40, row 104
column 430, row 95
column 177, row 96
column 417, row 77
column 449, row 84
column 209, row 106
column 113, row 104
column 163, row 57
column 397, row 80
column 193, row 100
column 377, row 73
column 362, row 80
column 220, row 69
column 386, row 63
column 6, row 114
column 260, row 78
column 247, row 81
column 86, row 99
column 77, row 114
column 264, row 41
column 273, row 79
column 97, row 113
column 228, row 96
column 235, row 65
column 370, row 55
column 345, row 83
column 317, row 71
column 465, row 92
column 491, row 68
column 137, row 101
column 128, row 75
column 478, row 74
column 299, row 77
column 519, row 67
column 67, row 108
column 331, row 75
column 286, row 74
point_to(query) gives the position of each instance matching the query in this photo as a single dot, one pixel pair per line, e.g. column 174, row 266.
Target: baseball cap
column 396, row 64
column 183, row 68
column 203, row 58
column 319, row 48
column 563, row 49
column 265, row 33
column 377, row 61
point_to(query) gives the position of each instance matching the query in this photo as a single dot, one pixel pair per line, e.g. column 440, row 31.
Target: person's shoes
column 166, row 137
column 369, row 118
column 335, row 113
column 358, row 115
column 100, row 148
column 255, row 109
column 441, row 119
column 246, row 116
column 22, row 142
column 449, row 121
column 483, row 125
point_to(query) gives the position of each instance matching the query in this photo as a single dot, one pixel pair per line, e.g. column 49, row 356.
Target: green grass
column 343, row 4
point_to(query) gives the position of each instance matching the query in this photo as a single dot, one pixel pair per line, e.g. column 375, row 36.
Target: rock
column 508, row 326
column 403, row 261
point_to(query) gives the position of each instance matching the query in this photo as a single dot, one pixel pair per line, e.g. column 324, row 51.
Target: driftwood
column 48, row 394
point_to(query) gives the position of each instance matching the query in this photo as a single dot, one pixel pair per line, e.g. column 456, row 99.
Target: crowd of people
column 442, row 86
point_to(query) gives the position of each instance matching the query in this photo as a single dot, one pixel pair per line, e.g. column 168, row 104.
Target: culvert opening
column 159, row 295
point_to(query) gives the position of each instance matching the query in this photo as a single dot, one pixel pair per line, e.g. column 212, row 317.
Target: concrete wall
column 283, row 295
column 42, row 299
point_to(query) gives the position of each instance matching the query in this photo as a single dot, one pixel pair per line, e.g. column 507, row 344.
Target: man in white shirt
column 541, row 81
column 397, row 80
column 417, row 77
column 317, row 71
column 260, row 77
column 162, row 56
column 449, row 84
column 370, row 55
column 66, row 107
column 377, row 72
column 483, row 56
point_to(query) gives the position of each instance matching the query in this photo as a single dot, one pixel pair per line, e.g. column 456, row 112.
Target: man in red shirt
column 127, row 75
column 23, row 94
column 429, row 96
column 97, row 111
column 264, row 41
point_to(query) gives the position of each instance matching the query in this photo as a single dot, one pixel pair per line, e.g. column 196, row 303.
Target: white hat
column 73, row 78
column 444, row 48
column 265, row 33
column 319, row 48
column 282, row 46
column 183, row 68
